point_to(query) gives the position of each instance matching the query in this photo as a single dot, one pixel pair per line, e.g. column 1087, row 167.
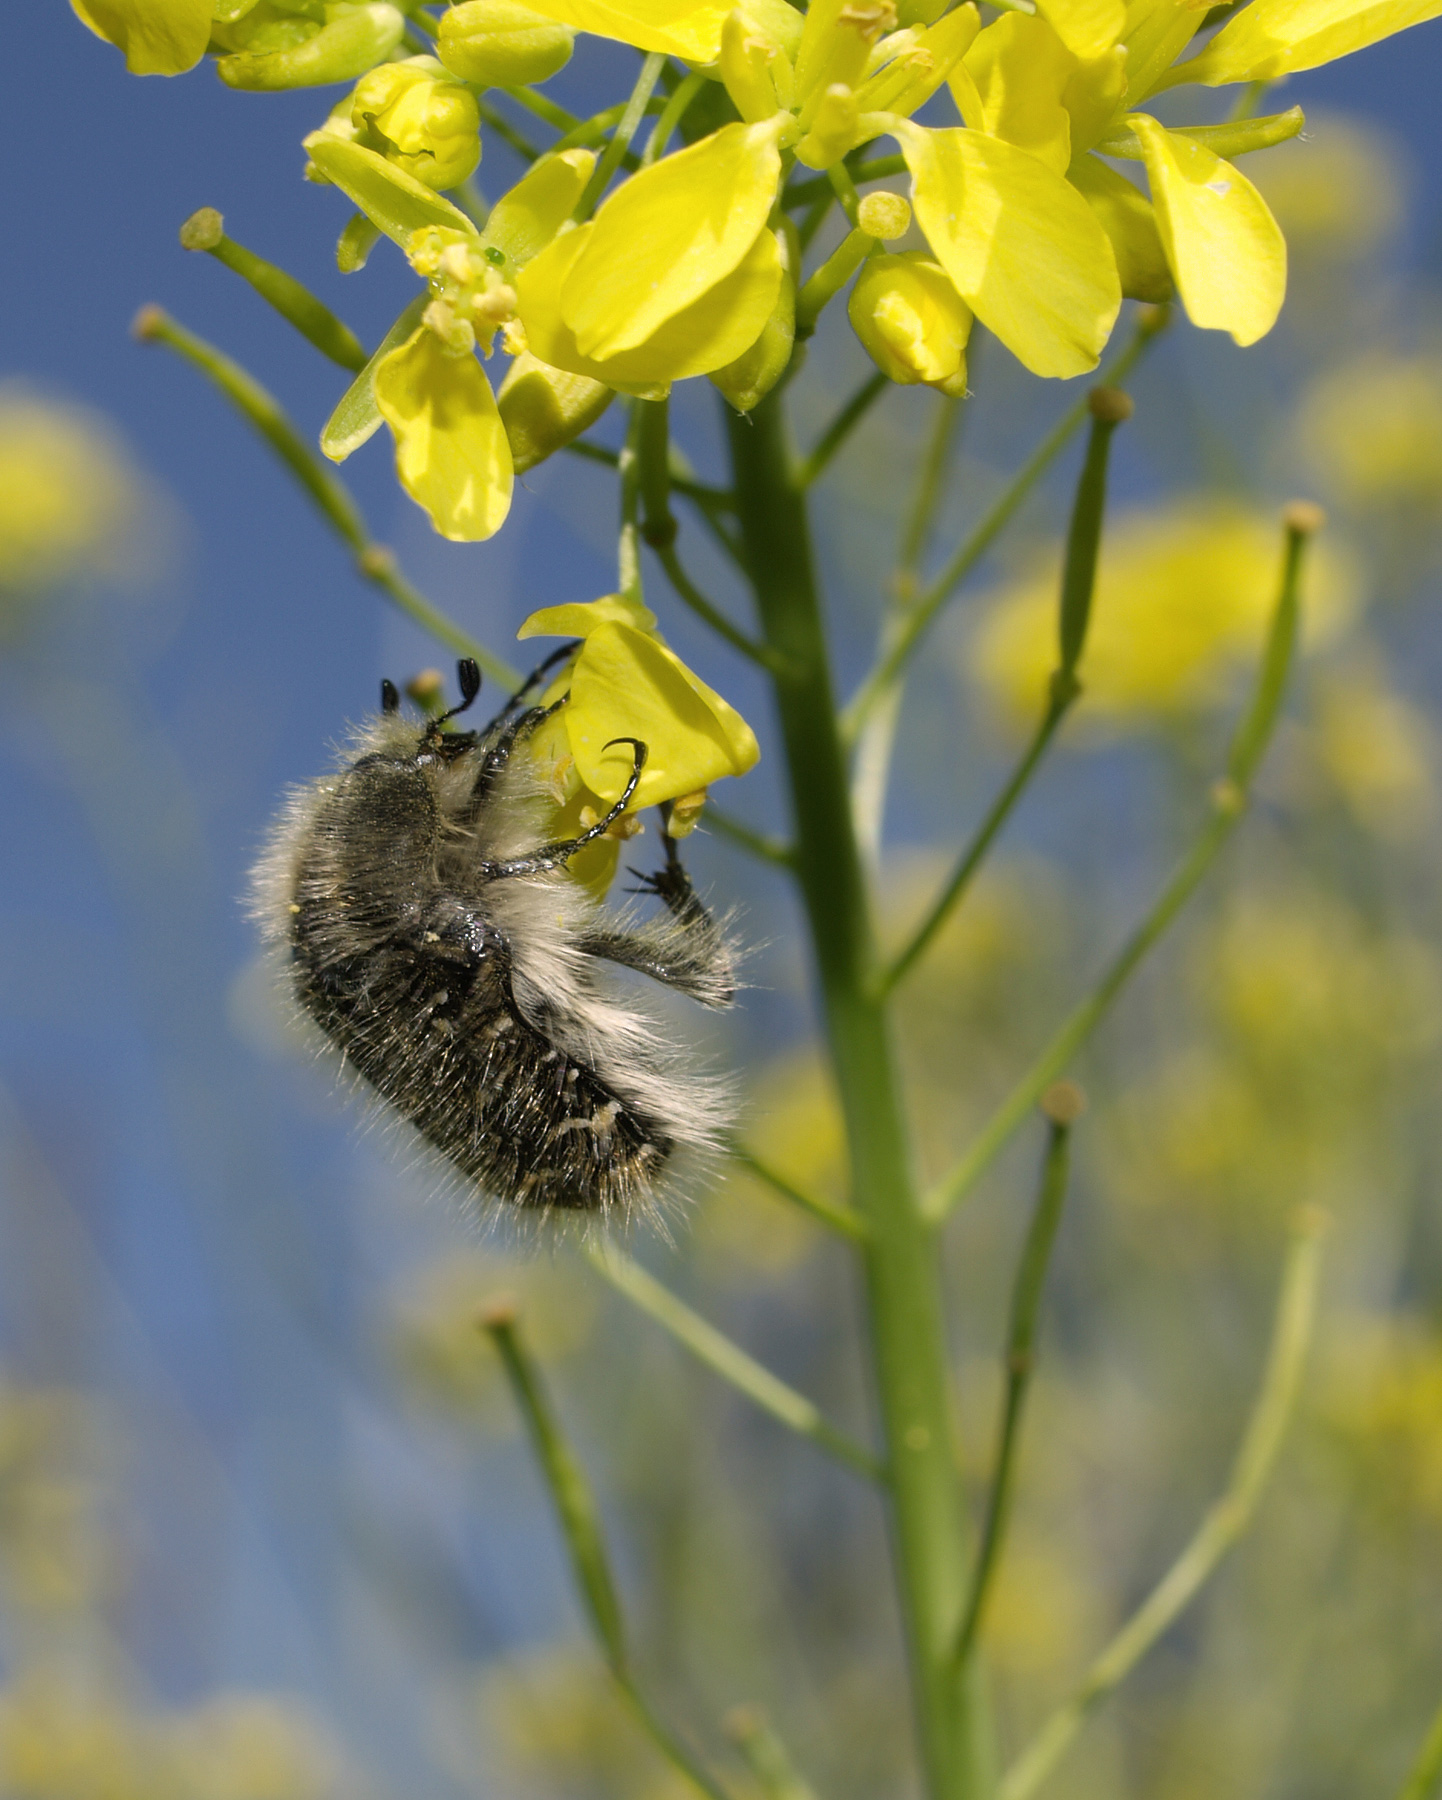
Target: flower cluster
column 690, row 265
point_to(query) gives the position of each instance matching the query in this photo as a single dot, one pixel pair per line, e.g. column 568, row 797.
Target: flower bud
column 355, row 39
column 497, row 43
column 543, row 408
column 747, row 381
column 419, row 118
column 911, row 320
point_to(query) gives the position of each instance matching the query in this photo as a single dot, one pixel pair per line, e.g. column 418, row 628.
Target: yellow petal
column 1093, row 96
column 452, row 457
column 1087, row 27
column 158, row 37
column 1021, row 245
column 1226, row 251
column 911, row 320
column 1278, row 37
column 706, row 335
column 1020, row 67
column 1129, row 220
column 681, row 28
column 524, row 220
column 627, row 684
column 668, row 235
column 905, row 83
column 580, row 618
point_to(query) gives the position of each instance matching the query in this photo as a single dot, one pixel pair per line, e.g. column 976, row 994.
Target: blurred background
column 267, row 1527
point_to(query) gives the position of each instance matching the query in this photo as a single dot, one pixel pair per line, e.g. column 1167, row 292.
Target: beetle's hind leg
column 686, row 949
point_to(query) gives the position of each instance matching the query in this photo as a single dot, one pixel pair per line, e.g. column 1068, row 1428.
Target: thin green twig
column 321, row 485
column 731, row 1362
column 1228, row 802
column 671, row 116
column 1424, row 1778
column 627, row 127
column 1223, row 1525
column 922, row 614
column 711, row 614
column 766, row 1756
column 840, row 428
column 1020, row 1361
column 544, row 108
column 579, row 1520
column 1109, row 407
column 773, row 850
column 838, row 1218
column 312, row 318
column 507, row 132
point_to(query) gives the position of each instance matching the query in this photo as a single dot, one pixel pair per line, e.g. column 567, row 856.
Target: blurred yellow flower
column 249, row 1747
column 1378, row 749
column 69, row 504
column 1372, row 430
column 1182, row 601
column 62, row 1740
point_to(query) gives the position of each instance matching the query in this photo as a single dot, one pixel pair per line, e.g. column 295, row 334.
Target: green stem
column 672, row 114
column 1228, row 1518
column 1020, row 1362
column 1425, row 1776
column 934, row 465
column 628, row 548
column 766, row 1756
column 205, row 230
column 544, row 108
column 773, row 850
column 841, row 428
column 507, row 132
column 839, row 1218
column 899, row 1254
column 580, row 1523
column 321, row 485
column 626, row 129
column 1109, row 408
column 731, row 1362
column 922, row 614
column 1228, row 803
column 707, row 611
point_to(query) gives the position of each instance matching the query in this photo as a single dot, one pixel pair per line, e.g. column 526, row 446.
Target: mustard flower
column 419, row 118
column 624, row 682
column 453, row 456
column 157, row 37
column 911, row 320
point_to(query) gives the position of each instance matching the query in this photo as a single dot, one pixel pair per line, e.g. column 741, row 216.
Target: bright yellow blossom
column 158, row 37
column 625, row 683
column 911, row 320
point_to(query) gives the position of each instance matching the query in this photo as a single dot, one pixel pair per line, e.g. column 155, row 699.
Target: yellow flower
column 1181, row 607
column 452, row 453
column 625, row 683
column 1372, row 430
column 911, row 320
column 452, row 456
column 1271, row 38
column 158, row 37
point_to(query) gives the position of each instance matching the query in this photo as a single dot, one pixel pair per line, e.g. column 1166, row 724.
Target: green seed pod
column 355, row 39
column 497, row 43
column 543, row 408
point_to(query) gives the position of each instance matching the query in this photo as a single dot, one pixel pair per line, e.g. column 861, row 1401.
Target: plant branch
column 626, row 129
column 766, row 1756
column 672, row 114
column 544, row 108
column 1228, row 802
column 1062, row 1107
column 922, row 613
column 773, row 850
column 731, row 1362
column 840, row 428
column 1223, row 1525
column 321, row 485
column 506, row 131
column 580, row 1523
column 205, row 230
column 1109, row 407
column 842, row 1219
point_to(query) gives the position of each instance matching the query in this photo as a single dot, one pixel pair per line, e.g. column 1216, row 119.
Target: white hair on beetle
column 455, row 967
